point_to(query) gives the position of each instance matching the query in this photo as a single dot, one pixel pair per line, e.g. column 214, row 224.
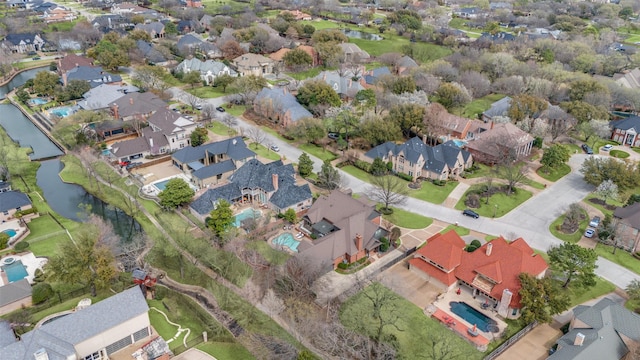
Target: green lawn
column 272, row 255
column 553, row 174
column 580, row 295
column 499, row 204
column 306, row 74
column 597, row 147
column 236, row 110
column 263, row 151
column 206, row 92
column 226, row 351
column 478, row 106
column 320, row 153
column 621, row 257
column 220, row 128
column 576, row 236
column 462, row 231
column 600, row 207
column 619, row 154
column 408, row 220
column 321, row 24
column 415, row 331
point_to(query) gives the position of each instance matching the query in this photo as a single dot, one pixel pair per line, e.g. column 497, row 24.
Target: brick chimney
column 116, row 114
column 274, row 180
column 131, row 101
column 489, row 248
column 579, row 340
column 359, row 242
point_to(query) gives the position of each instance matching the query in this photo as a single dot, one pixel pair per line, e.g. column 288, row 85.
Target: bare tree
column 383, row 309
column 208, row 112
column 130, row 253
column 389, row 190
column 192, row 100
column 257, row 136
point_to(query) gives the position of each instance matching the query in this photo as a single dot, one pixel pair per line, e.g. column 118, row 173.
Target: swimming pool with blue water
column 10, row 232
column 286, row 239
column 15, row 271
column 471, row 315
column 246, row 214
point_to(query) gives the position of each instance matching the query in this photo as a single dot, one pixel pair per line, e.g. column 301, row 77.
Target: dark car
column 470, row 213
column 587, row 149
column 220, row 108
column 36, row 58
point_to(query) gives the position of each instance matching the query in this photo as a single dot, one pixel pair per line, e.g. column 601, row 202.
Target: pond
column 361, row 35
column 19, row 80
column 72, row 201
column 21, row 130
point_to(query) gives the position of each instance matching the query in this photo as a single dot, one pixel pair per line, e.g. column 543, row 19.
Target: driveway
column 530, row 220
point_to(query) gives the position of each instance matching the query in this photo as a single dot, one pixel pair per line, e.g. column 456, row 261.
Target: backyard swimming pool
column 10, row 232
column 459, row 143
column 62, row 111
column 472, row 316
column 246, row 214
column 37, row 101
column 161, row 185
column 286, row 239
column 15, row 271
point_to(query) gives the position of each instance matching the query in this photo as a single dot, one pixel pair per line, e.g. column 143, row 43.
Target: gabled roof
column 351, row 48
column 502, row 136
column 343, row 85
column 206, row 202
column 278, row 55
column 444, row 249
column 605, row 325
column 375, row 74
column 94, row 75
column 10, row 200
column 150, row 53
column 130, row 147
column 72, row 60
column 256, row 175
column 168, row 122
column 155, row 27
column 102, row 96
column 14, row 291
column 214, row 169
column 499, row 108
column 630, row 215
column 407, row 62
column 251, row 60
column 139, row 103
column 187, row 41
column 59, row 337
column 283, row 101
column 204, row 67
column 16, row 39
column 632, row 122
column 235, row 148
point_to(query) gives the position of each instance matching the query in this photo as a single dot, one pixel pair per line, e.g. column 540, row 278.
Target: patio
column 15, row 225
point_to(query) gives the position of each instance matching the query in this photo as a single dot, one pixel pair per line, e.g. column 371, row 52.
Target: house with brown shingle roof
column 627, row 224
column 493, row 142
column 253, row 64
column 345, row 230
column 491, row 271
column 70, row 62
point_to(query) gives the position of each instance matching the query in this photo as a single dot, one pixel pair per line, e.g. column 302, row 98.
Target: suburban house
column 457, row 127
column 271, row 185
column 70, row 62
column 279, row 106
column 342, row 83
column 208, row 70
column 205, row 21
column 193, row 3
column 253, row 64
column 212, row 163
column 11, row 202
column 187, row 26
column 190, row 44
column 498, row 108
column 129, row 9
column 14, row 296
column 497, row 38
column 405, row 64
column 57, row 15
column 297, row 14
column 152, row 55
column 102, row 96
column 371, row 77
column 627, row 224
column 166, row 133
column 629, row 79
column 95, row 332
column 626, row 131
column 469, row 12
column 605, row 330
column 279, row 55
column 137, row 106
column 94, row 75
column 419, row 160
column 108, row 22
column 491, row 271
column 352, row 53
column 495, row 142
column 23, row 43
column 154, row 29
column 344, row 230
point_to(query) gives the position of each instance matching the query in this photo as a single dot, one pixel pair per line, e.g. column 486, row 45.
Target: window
column 95, row 356
column 173, row 140
column 119, row 345
column 162, row 150
column 181, row 145
column 514, row 312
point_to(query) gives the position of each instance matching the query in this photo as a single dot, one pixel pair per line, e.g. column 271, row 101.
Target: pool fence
column 510, row 341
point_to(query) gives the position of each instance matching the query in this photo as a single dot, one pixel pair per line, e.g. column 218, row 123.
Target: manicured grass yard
column 600, row 207
column 206, row 92
column 580, row 295
column 235, row 110
column 478, row 106
column 306, row 74
column 576, row 236
column 226, row 351
column 262, row 150
column 407, row 219
column 619, row 154
column 320, row 153
column 462, row 231
column 554, row 174
column 504, row 203
column 621, row 257
column 418, row 330
column 220, row 128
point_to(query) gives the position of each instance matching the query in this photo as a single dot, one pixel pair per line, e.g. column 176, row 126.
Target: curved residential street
column 530, row 220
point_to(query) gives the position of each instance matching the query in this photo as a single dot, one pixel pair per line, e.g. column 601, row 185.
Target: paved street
column 530, row 221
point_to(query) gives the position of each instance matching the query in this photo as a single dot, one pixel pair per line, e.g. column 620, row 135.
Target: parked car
column 35, row 58
column 470, row 213
column 607, row 147
column 198, row 107
column 334, row 136
column 595, row 222
column 275, row 148
column 587, row 149
column 125, row 163
column 589, row 233
column 220, row 108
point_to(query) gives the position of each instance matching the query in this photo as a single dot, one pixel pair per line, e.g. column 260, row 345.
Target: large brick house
column 490, row 271
column 627, row 224
column 345, row 230
column 419, row 160
column 626, row 131
column 493, row 142
column 279, row 106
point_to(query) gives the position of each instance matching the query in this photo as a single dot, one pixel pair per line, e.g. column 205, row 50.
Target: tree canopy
column 221, row 218
column 328, row 177
column 199, row 136
column 540, row 299
column 305, row 165
column 555, row 155
column 575, row 263
column 624, row 174
column 176, row 193
column 45, row 83
column 317, row 92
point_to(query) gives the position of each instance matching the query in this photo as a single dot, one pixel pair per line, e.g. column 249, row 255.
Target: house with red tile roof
column 490, row 271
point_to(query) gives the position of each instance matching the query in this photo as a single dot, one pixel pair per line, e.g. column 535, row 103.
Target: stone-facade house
column 209, row 70
column 627, row 225
column 496, row 142
column 154, row 29
column 253, row 64
column 23, row 43
column 11, row 202
column 280, row 106
column 419, row 160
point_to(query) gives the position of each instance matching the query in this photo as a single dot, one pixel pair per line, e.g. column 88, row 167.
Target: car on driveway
column 595, row 222
column 470, row 213
column 589, row 233
column 587, row 149
column 275, row 148
column 607, row 147
column 220, row 108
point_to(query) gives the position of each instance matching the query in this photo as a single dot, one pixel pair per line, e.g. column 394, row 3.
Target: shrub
column 473, row 246
column 4, row 239
column 384, row 244
column 395, row 233
column 39, row 276
column 22, row 213
column 22, row 245
column 41, row 292
column 405, row 176
column 385, row 211
column 362, row 165
column 343, row 266
column 440, row 182
column 161, row 292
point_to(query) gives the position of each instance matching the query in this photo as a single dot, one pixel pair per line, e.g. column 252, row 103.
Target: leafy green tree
column 139, row 34
column 87, row 260
column 317, row 92
column 378, row 167
column 41, row 292
column 199, row 136
column 540, row 299
column 596, row 170
column 450, row 96
column 290, row 216
column 75, row 89
column 309, row 128
column 305, row 165
column 366, row 98
column 45, row 83
column 328, row 177
column 525, row 106
column 580, row 88
column 329, row 53
column 634, row 198
column 403, row 84
column 170, row 28
column 297, row 59
column 22, row 96
column 176, row 193
column 555, row 155
column 329, row 36
column 192, row 78
column 584, row 112
column 408, row 18
column 633, row 290
column 4, row 240
column 224, row 80
column 378, row 130
column 221, row 218
column 108, row 54
column 408, row 117
column 575, row 263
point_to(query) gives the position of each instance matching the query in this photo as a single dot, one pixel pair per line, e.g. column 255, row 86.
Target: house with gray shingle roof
column 352, row 53
column 152, row 55
column 371, row 77
column 208, row 70
column 94, row 75
column 605, row 330
column 406, row 63
column 136, row 106
column 212, row 163
column 14, row 296
column 253, row 64
column 343, row 84
column 23, row 43
column 498, row 108
column 626, row 131
column 346, row 230
column 273, row 185
column 101, row 96
column 103, row 328
column 154, row 29
column 419, row 160
column 11, row 202
column 279, row 106
column 627, row 222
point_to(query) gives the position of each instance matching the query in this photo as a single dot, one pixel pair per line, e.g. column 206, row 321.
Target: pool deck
column 30, row 262
column 152, row 190
column 460, row 328
column 14, row 225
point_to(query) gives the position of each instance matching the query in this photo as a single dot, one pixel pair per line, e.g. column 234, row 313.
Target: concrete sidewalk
column 456, row 195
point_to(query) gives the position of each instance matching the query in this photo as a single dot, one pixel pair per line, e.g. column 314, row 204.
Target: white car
column 589, row 233
column 607, row 147
column 275, row 148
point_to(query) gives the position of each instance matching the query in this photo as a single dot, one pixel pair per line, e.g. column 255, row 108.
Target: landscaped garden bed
column 492, row 201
